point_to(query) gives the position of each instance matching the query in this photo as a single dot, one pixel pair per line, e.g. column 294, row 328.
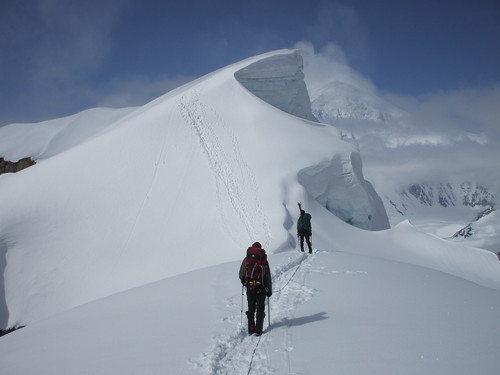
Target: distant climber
column 255, row 275
column 498, row 255
column 304, row 229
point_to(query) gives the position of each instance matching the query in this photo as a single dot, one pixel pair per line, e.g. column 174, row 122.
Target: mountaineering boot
column 251, row 323
column 251, row 329
column 260, row 323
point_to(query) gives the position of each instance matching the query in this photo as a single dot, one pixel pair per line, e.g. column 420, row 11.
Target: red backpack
column 255, row 267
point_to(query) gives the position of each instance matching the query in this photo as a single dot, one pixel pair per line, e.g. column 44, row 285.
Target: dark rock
column 7, row 166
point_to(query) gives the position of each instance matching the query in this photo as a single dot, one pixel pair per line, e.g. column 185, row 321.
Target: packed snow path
column 238, row 353
column 227, row 163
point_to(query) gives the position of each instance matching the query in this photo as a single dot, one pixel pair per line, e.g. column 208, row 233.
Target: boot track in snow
column 238, row 353
column 212, row 131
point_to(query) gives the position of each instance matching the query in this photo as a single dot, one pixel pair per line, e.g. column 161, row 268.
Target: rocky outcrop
column 7, row 166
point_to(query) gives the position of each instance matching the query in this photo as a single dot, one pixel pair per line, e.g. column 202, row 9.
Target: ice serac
column 339, row 186
column 279, row 81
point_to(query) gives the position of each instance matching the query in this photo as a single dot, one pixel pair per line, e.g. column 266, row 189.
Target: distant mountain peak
column 341, row 100
column 444, row 194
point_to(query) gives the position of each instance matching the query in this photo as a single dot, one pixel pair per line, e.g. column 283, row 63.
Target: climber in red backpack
column 255, row 275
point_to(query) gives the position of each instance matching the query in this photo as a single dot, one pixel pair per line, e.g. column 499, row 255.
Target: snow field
column 331, row 312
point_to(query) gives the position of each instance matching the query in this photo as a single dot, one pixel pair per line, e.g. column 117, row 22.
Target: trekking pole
column 268, row 313
column 241, row 315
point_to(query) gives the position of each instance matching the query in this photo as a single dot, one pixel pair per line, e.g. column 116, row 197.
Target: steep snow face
column 279, row 81
column 339, row 186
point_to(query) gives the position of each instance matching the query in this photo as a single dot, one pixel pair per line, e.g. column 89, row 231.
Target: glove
column 269, row 293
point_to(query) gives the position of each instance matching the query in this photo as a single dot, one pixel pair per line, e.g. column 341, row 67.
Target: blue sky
column 60, row 57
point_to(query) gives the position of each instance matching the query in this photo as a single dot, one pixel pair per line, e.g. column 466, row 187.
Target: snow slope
column 331, row 312
column 48, row 138
column 208, row 165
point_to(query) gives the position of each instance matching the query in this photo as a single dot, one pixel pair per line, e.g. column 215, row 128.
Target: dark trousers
column 256, row 304
column 307, row 236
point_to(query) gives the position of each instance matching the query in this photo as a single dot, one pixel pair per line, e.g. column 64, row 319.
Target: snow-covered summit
column 141, row 194
column 186, row 183
column 468, row 196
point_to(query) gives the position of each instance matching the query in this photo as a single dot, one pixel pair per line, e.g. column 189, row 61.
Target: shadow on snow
column 286, row 322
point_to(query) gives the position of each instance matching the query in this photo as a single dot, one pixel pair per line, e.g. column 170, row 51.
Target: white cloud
column 328, row 64
column 473, row 110
column 340, row 23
